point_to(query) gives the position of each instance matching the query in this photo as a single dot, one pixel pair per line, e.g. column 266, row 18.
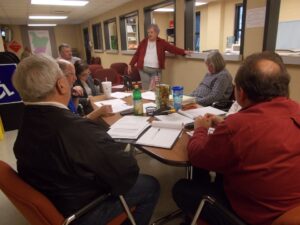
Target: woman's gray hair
column 216, row 59
column 154, row 27
column 35, row 77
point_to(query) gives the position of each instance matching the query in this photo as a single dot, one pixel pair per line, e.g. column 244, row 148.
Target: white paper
column 148, row 95
column 193, row 113
column 175, row 117
column 159, row 137
column 117, row 105
column 185, row 99
column 118, row 86
column 120, row 94
column 255, row 17
column 129, row 127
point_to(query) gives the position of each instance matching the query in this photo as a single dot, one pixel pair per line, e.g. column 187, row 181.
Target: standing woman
column 150, row 56
column 87, row 83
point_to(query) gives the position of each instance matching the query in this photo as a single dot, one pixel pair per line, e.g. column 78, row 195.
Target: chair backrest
column 94, row 67
column 34, row 206
column 109, row 74
column 120, row 68
column 291, row 217
column 134, row 75
column 96, row 60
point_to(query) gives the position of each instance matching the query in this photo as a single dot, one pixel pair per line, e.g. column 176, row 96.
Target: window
column 97, row 36
column 214, row 25
column 129, row 29
column 238, row 23
column 162, row 14
column 111, row 36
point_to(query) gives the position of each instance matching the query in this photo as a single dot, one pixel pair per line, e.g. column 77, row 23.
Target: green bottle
column 137, row 101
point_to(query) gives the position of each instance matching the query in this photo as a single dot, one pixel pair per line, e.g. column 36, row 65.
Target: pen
column 155, row 133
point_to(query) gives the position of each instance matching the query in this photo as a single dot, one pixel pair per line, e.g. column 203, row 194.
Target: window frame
column 151, row 8
column 106, row 35
column 189, row 28
column 123, row 29
column 97, row 44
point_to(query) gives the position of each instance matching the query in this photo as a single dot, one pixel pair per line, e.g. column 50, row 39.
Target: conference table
column 176, row 156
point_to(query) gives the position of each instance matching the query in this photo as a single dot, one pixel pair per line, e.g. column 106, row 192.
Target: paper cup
column 106, row 87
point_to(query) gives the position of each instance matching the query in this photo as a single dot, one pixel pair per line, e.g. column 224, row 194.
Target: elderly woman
column 217, row 83
column 150, row 56
column 86, row 82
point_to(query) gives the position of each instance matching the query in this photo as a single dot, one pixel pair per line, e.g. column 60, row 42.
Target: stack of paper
column 175, row 117
column 193, row 113
column 120, row 94
column 128, row 127
column 117, row 105
column 161, row 134
column 148, row 95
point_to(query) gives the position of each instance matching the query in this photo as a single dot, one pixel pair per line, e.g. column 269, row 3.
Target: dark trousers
column 143, row 196
column 188, row 193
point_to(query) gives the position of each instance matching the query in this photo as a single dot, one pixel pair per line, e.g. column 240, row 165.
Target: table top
column 176, row 156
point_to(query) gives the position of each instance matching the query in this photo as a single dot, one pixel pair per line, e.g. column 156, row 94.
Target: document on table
column 117, row 105
column 129, row 127
column 161, row 134
column 193, row 113
column 175, row 117
column 120, row 94
column 148, row 95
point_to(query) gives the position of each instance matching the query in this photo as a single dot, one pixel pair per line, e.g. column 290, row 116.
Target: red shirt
column 161, row 47
column 258, row 152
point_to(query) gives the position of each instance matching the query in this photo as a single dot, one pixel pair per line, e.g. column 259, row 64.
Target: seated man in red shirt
column 257, row 150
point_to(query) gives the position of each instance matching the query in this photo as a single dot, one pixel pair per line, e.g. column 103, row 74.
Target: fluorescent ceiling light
column 48, row 17
column 41, row 25
column 59, row 2
column 164, row 10
column 200, row 3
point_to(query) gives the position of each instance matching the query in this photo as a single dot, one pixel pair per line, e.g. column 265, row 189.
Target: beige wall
column 189, row 72
column 162, row 19
column 70, row 34
column 289, row 10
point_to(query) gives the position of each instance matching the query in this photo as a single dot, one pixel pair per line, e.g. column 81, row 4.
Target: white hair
column 154, row 27
column 35, row 77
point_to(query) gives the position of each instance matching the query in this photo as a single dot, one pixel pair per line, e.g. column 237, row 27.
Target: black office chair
column 233, row 219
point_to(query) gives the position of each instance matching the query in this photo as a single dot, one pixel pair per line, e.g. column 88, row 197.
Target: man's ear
column 62, row 86
column 240, row 96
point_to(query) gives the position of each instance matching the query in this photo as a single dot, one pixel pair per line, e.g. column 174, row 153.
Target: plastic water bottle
column 177, row 97
column 137, row 101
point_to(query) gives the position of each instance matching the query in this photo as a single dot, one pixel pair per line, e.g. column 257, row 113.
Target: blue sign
column 8, row 93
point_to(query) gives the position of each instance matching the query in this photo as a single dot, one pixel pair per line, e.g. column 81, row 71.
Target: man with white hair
column 72, row 160
column 65, row 52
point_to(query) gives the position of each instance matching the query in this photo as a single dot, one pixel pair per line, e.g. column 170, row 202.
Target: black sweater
column 70, row 159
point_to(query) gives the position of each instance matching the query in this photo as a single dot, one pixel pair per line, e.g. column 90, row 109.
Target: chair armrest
column 86, row 209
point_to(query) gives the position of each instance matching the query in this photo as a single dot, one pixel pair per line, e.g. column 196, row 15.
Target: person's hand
column 203, row 121
column 215, row 119
column 188, row 52
column 129, row 70
column 105, row 110
column 77, row 91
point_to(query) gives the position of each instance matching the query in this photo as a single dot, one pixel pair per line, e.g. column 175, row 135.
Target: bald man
column 257, row 150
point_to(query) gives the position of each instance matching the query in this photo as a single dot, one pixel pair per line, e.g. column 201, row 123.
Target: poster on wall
column 40, row 41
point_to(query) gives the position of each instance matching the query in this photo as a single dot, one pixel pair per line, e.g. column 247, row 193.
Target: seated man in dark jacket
column 70, row 159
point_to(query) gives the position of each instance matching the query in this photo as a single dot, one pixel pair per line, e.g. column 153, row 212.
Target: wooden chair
column 37, row 209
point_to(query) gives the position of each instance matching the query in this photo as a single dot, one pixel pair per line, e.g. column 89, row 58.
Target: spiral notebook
column 161, row 134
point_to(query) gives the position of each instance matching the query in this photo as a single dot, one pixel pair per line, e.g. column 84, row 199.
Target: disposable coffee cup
column 106, row 87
